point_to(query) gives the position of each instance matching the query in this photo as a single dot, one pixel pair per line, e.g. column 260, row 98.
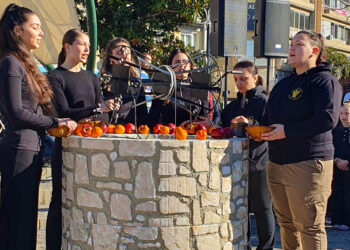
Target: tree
column 341, row 67
column 148, row 25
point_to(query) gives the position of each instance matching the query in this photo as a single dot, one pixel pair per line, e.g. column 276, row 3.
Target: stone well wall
column 121, row 193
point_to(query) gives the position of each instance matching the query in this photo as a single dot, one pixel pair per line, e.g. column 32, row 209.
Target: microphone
column 121, row 60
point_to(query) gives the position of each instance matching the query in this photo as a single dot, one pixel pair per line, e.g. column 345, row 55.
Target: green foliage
column 148, row 25
column 341, row 64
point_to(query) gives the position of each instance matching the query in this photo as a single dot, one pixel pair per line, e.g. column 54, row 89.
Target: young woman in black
column 78, row 96
column 250, row 104
column 164, row 111
column 120, row 48
column 303, row 108
column 25, row 97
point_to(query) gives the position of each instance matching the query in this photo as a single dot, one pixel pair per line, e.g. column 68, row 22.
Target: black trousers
column 260, row 203
column 19, row 197
column 340, row 198
column 54, row 218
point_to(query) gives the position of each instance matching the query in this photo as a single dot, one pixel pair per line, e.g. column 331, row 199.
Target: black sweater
column 164, row 111
column 77, row 94
column 341, row 141
column 24, row 120
column 254, row 108
column 308, row 106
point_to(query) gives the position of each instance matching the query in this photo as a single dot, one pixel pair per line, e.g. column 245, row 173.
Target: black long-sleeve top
column 77, row 94
column 341, row 142
column 24, row 120
column 164, row 111
column 127, row 110
column 254, row 108
column 308, row 106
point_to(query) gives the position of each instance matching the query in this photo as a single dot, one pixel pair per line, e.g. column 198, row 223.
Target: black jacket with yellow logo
column 308, row 106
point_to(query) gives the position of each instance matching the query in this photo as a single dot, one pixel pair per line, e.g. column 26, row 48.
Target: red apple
column 201, row 127
column 130, row 128
column 87, row 130
column 217, row 133
column 172, row 127
column 228, row 133
column 157, row 129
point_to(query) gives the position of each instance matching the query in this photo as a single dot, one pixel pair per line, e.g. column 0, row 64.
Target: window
column 190, row 39
column 336, row 31
column 299, row 20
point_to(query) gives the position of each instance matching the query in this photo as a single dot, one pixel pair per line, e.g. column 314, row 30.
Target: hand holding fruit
column 240, row 119
column 66, row 122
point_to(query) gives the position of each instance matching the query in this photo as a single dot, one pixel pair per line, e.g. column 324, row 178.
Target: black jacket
column 341, row 142
column 254, row 108
column 308, row 106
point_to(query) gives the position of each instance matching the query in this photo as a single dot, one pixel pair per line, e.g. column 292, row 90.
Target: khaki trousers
column 299, row 194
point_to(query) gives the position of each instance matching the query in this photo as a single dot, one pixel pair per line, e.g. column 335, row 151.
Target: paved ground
column 337, row 240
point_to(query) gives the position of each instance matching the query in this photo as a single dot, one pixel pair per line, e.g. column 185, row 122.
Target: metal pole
column 92, row 29
column 268, row 75
column 226, row 75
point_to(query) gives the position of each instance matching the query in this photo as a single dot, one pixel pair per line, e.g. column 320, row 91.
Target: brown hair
column 178, row 51
column 107, row 66
column 316, row 39
column 69, row 37
column 251, row 68
column 11, row 44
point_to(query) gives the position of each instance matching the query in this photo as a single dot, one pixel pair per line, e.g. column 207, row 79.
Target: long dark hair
column 11, row 44
column 107, row 66
column 69, row 37
column 178, row 51
column 251, row 68
column 316, row 39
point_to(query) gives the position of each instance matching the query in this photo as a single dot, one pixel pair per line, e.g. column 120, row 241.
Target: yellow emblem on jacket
column 295, row 94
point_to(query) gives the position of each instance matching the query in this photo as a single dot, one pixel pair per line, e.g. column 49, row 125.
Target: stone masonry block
column 176, row 237
column 183, row 185
column 142, row 233
column 200, row 161
column 81, row 169
column 100, row 165
column 144, row 183
column 87, row 198
column 68, row 159
column 210, row 199
column 172, row 205
column 121, row 207
column 97, row 144
column 122, row 170
column 140, row 148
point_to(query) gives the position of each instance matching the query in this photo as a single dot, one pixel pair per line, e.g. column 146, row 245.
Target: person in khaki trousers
column 303, row 108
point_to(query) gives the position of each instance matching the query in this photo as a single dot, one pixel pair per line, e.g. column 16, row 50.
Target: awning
column 57, row 16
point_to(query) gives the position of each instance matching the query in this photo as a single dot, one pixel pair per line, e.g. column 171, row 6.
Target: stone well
column 122, row 193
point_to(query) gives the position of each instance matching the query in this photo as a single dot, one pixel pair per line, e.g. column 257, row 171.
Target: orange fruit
column 181, row 133
column 143, row 129
column 165, row 130
column 202, row 134
column 111, row 129
column 78, row 130
column 96, row 131
column 119, row 129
